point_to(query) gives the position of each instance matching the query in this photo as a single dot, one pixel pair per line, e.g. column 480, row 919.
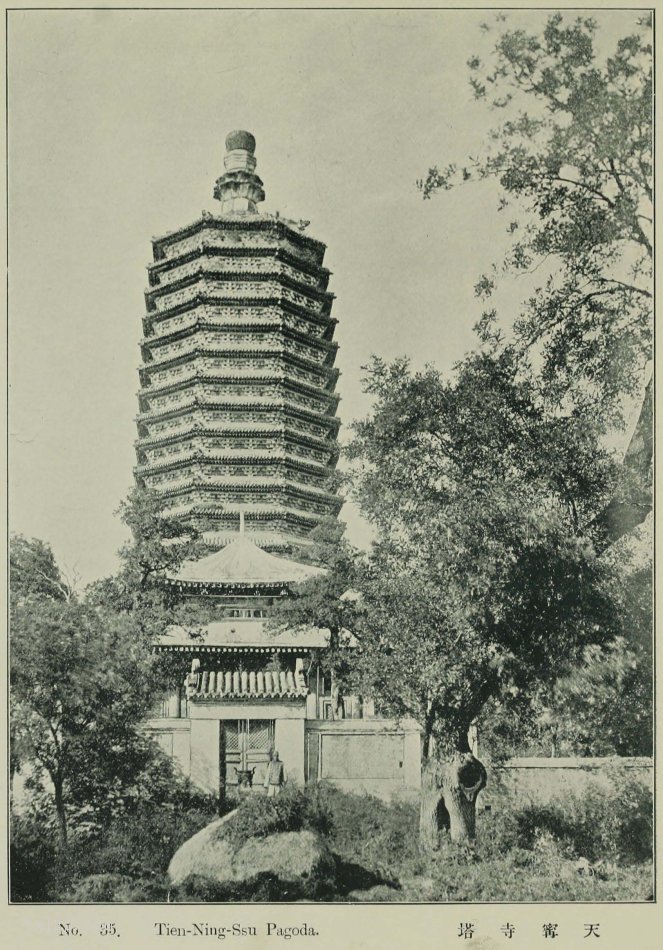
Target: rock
column 288, row 864
column 297, row 858
column 203, row 854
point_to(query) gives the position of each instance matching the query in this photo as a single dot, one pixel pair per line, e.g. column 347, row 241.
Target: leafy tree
column 327, row 600
column 80, row 684
column 33, row 571
column 602, row 706
column 573, row 159
column 484, row 580
column 159, row 544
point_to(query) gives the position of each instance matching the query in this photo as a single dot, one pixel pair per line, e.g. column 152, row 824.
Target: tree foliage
column 484, row 579
column 81, row 679
column 159, row 544
column 326, row 601
column 33, row 571
column 573, row 158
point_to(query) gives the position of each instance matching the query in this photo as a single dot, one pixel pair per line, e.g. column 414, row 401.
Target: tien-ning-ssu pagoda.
column 237, row 430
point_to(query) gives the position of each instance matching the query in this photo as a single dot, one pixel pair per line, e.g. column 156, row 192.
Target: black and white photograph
column 330, row 467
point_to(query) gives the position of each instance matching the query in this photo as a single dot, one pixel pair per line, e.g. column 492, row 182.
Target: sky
column 117, row 121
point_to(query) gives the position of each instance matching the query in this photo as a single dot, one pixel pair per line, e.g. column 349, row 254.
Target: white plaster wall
column 289, row 743
column 212, row 710
column 205, row 764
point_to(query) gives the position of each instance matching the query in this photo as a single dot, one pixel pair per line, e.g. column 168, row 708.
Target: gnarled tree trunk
column 461, row 779
column 449, row 790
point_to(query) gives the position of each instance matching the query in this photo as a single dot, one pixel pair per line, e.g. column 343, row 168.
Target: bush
column 378, row 835
column 141, row 845
column 262, row 887
column 33, row 855
column 137, row 846
column 543, row 874
column 603, row 823
column 292, row 810
column 117, row 888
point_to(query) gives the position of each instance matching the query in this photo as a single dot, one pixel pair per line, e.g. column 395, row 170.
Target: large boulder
column 287, row 865
column 205, row 854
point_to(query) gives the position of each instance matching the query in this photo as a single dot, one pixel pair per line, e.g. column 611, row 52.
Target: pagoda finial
column 239, row 190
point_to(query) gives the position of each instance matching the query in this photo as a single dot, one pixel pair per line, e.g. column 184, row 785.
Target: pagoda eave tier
column 195, row 430
column 266, row 459
column 205, row 251
column 284, row 409
column 236, row 222
column 229, row 516
column 204, row 299
column 239, row 379
column 290, row 333
column 239, row 353
column 153, row 294
column 252, row 487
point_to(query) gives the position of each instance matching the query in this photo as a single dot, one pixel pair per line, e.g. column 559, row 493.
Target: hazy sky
column 116, row 128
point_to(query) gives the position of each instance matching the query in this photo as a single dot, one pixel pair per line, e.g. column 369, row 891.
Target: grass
column 523, row 852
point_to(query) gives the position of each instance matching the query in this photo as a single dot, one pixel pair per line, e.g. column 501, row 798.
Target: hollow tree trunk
column 449, row 790
column 461, row 779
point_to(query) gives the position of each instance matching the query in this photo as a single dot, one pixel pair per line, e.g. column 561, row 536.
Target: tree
column 33, row 571
column 573, row 158
column 602, row 706
column 325, row 601
column 159, row 544
column 483, row 580
column 80, row 685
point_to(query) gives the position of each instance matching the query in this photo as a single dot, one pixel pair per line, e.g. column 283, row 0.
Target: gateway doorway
column 246, row 746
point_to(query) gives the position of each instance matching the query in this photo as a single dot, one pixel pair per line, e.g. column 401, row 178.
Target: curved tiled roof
column 243, row 562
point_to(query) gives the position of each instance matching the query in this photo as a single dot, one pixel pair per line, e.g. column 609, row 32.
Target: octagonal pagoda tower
column 237, row 402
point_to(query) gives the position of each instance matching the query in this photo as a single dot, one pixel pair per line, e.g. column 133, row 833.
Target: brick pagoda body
column 237, row 431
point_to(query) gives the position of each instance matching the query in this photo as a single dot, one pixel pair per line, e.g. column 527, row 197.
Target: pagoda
column 237, row 383
column 237, row 431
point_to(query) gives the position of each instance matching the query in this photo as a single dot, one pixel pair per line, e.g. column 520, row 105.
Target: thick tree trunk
column 462, row 777
column 449, row 790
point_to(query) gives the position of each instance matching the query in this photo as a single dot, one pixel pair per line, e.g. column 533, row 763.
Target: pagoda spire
column 239, row 189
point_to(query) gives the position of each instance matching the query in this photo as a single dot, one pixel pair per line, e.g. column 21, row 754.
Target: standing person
column 275, row 776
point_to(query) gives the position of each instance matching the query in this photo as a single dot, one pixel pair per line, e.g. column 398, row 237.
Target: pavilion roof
column 243, row 562
column 242, row 634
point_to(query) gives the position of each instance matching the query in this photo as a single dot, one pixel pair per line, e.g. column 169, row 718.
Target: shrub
column 602, row 823
column 381, row 836
column 262, row 887
column 117, row 888
column 33, row 853
column 542, row 874
column 136, row 845
column 292, row 810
